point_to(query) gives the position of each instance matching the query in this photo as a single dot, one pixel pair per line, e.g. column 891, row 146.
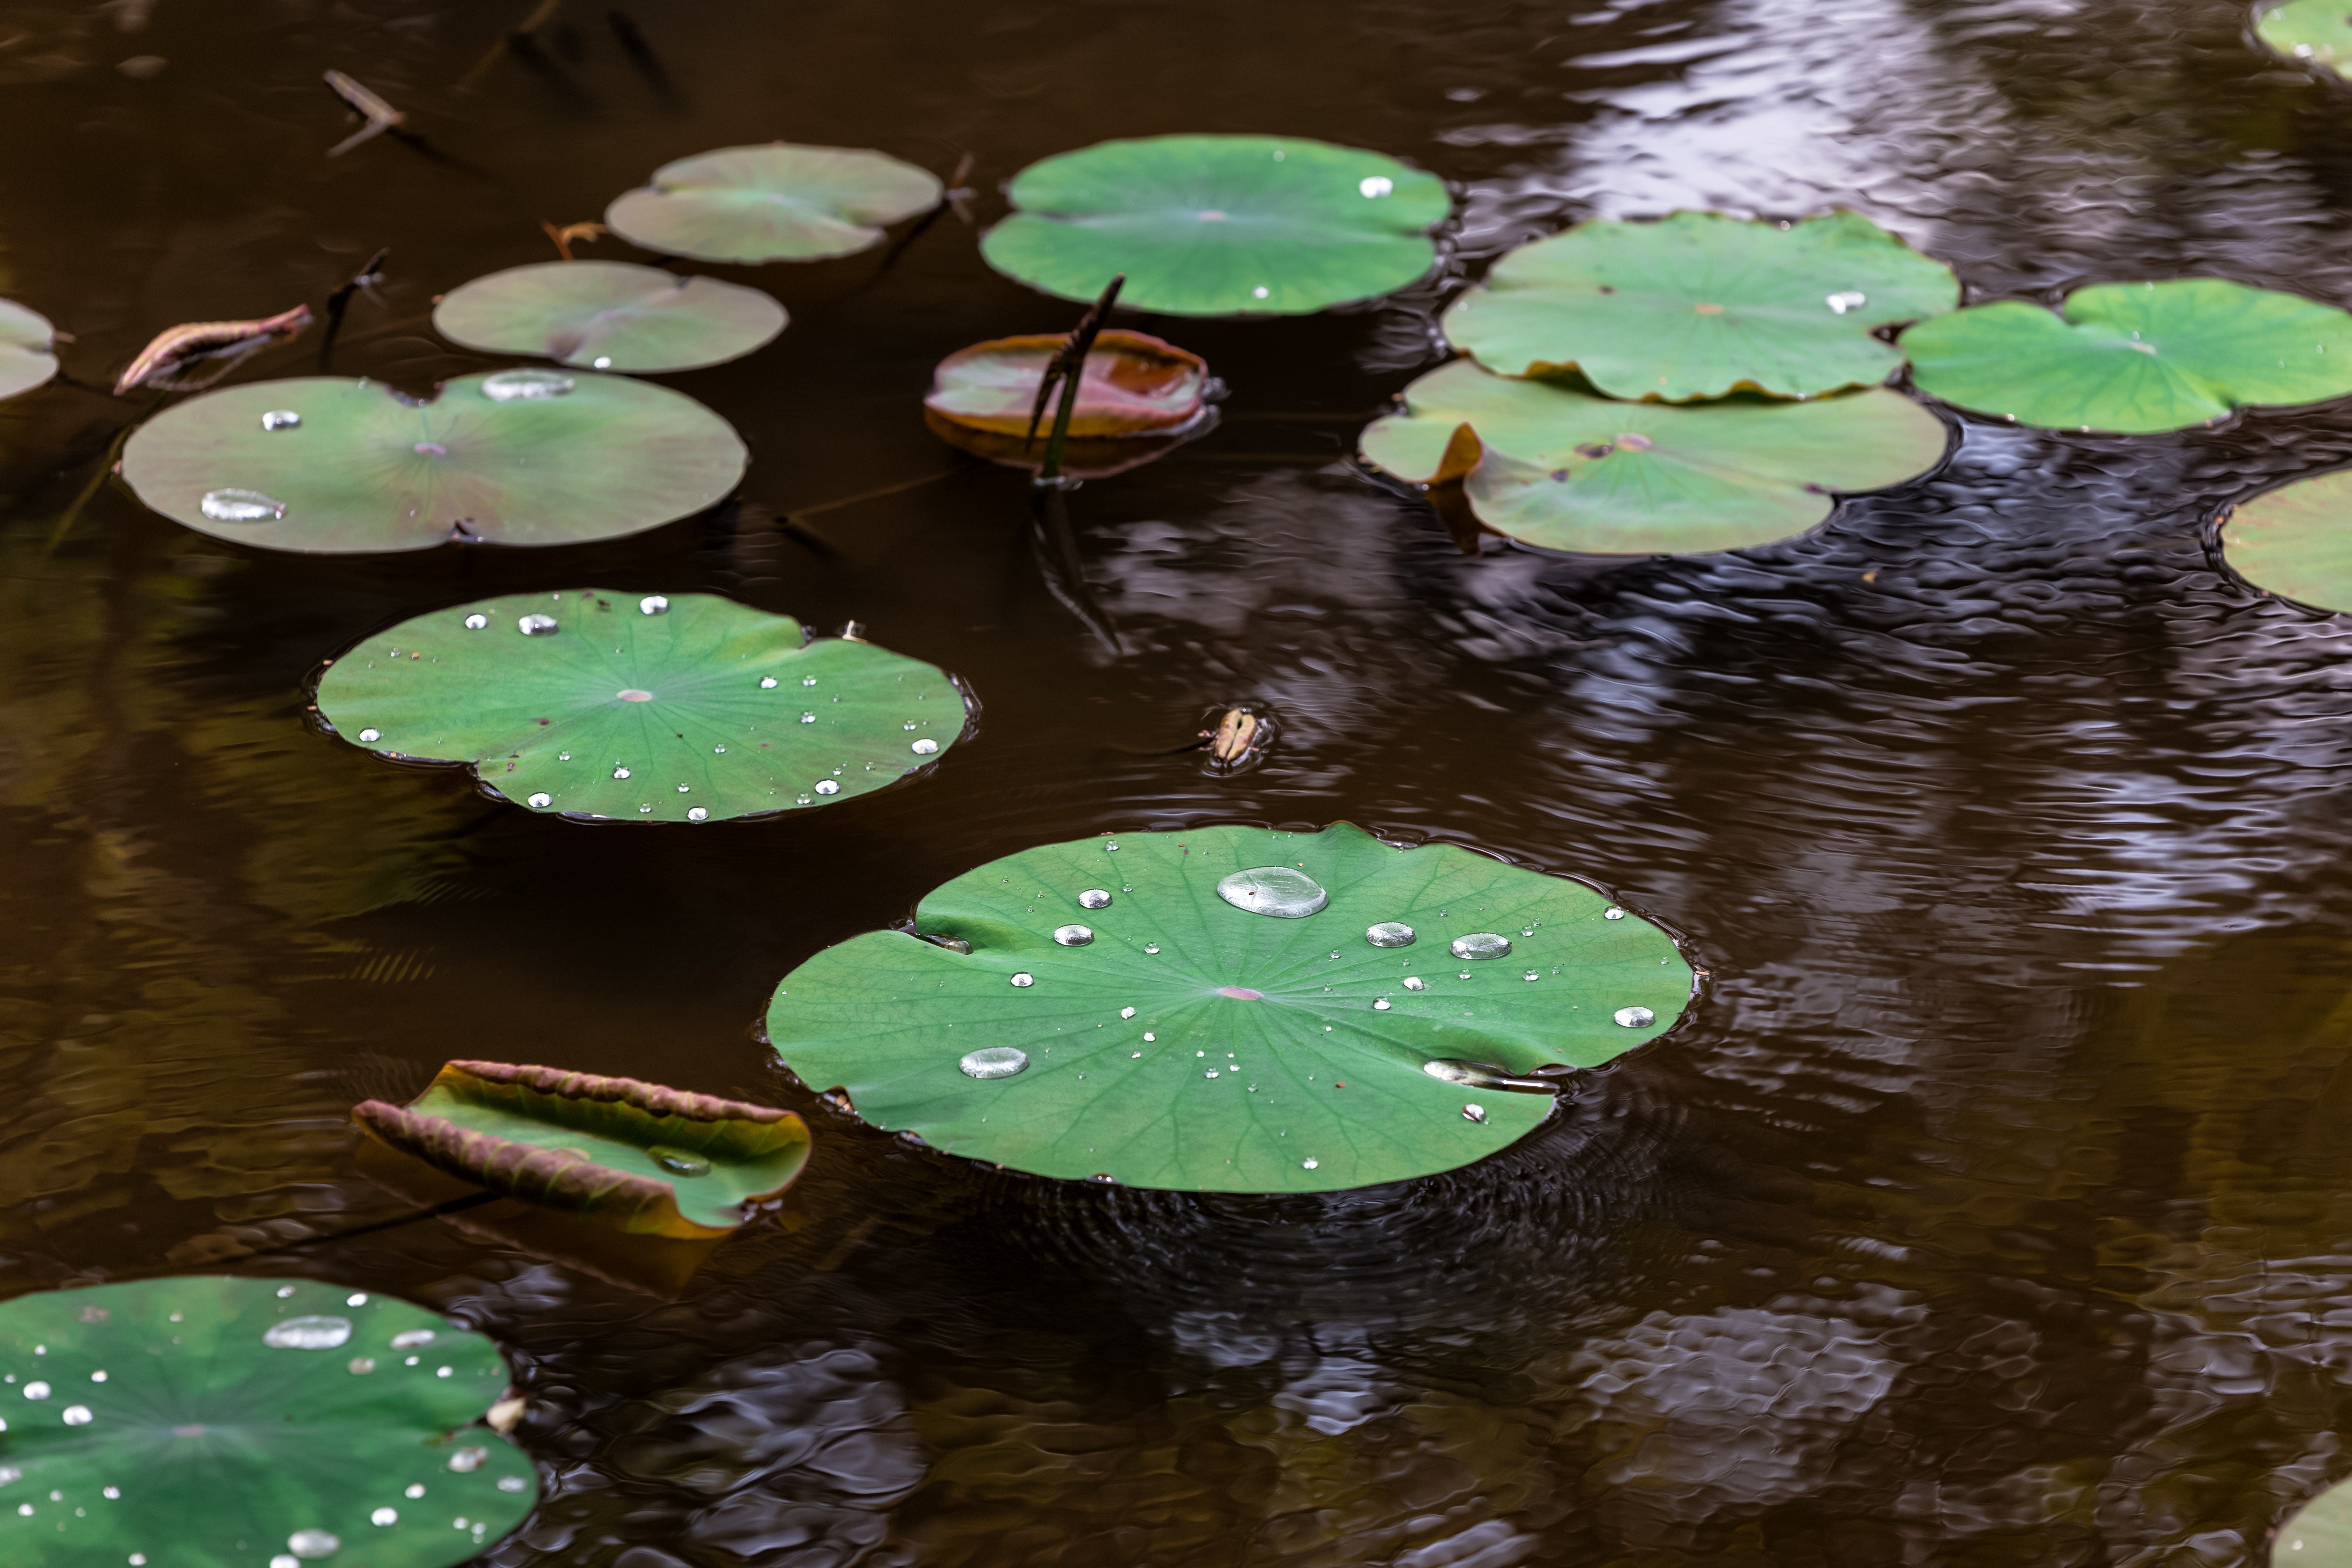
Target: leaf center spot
column 634, row 695
column 187, row 1431
column 1708, row 310
column 1210, row 215
column 431, row 449
column 1241, row 993
column 1633, row 443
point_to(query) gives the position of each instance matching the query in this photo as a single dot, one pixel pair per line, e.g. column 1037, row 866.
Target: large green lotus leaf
column 2319, row 31
column 1699, row 305
column 779, row 201
column 2134, row 357
column 1220, row 226
column 638, row 1157
column 1564, row 470
column 592, row 702
column 2296, row 541
column 609, row 315
column 515, row 457
column 2319, row 1535
column 27, row 349
column 1191, row 1043
column 215, row 1423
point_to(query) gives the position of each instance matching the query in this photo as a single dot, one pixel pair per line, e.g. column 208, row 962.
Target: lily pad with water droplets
column 643, row 708
column 329, row 465
column 230, row 1422
column 2135, row 357
column 1222, row 1023
column 2319, row 1534
column 27, row 349
column 635, row 1156
column 1563, row 470
column 1220, row 226
column 779, row 201
column 1701, row 305
column 2296, row 541
column 609, row 315
column 2318, row 32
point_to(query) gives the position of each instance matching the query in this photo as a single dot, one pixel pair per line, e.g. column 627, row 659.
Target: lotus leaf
column 1130, row 383
column 27, row 349
column 1220, row 226
column 609, row 315
column 1699, row 305
column 326, row 465
column 1563, row 470
column 2319, row 31
column 1229, row 1009
column 2134, row 357
column 2296, row 541
column 2319, row 1534
column 216, row 1423
column 643, row 708
column 636, row 1156
column 779, row 201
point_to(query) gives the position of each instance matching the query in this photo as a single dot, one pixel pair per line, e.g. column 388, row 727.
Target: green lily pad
column 2135, row 357
column 636, row 1156
column 779, row 201
column 27, row 349
column 2319, row 1534
column 2296, row 541
column 1230, row 1019
column 214, row 1422
column 331, row 466
column 643, row 708
column 1699, row 305
column 2319, row 31
column 1563, row 470
column 1220, row 226
column 609, row 315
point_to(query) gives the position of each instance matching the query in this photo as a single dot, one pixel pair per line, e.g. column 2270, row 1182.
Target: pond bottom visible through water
column 1991, row 1206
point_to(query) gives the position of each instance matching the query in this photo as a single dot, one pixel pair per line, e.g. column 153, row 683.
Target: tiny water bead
column 1531, row 975
column 1375, row 186
column 536, row 626
column 368, row 737
column 313, row 1543
column 825, row 786
column 1846, row 300
column 1415, row 982
column 1473, row 1113
column 808, row 680
column 1074, row 935
column 1389, row 933
column 620, row 773
column 1309, row 1165
column 1280, row 891
column 1481, row 944
column 766, row 683
column 523, row 386
column 241, row 506
column 808, row 717
column 653, row 604
column 679, row 1162
column 280, row 419
column 1126, row 1012
column 924, row 747
column 1635, row 1017
column 384, row 1516
column 1024, row 980
column 474, row 623
column 311, row 1333
column 995, row 1061
column 1382, row 1006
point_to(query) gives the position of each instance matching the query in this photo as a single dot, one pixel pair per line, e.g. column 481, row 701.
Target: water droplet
column 808, row 717
column 1148, row 1038
column 909, row 724
column 370, row 736
column 766, row 683
column 1846, row 300
column 924, row 747
column 510, row 386
column 1376, row 185
column 476, row 621
column 361, row 1366
column 1152, row 947
column 1612, row 914
column 1095, row 899
column 620, row 773
column 1126, row 1012
column 312, row 1543
column 1210, row 1073
column 241, row 506
column 1527, row 931
column 1530, row 975
column 77, row 1414
column 808, row 680
column 384, row 1516
column 679, row 1162
column 110, row 1493
column 698, row 814
column 283, row 1560
column 644, row 811
column 541, row 801
column 1113, row 848
column 415, row 1489
column 466, row 1460
column 995, row 1061
column 1414, row 983
column 685, row 789
column 1480, row 944
column 1025, row 980
column 806, row 800
column 536, row 626
column 511, row 1483
column 1389, row 933
column 1074, row 936
column 409, row 1339
column 308, row 1334
column 1473, row 1113
column 1277, row 890
column 1636, row 1017
column 602, row 361
column 1308, row 1164
column 1259, row 293
column 1382, row 1006
column 280, row 419
column 653, row 604
column 101, row 1377
column 825, row 786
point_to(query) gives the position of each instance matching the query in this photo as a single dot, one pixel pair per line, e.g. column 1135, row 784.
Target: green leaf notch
column 593, row 702
column 2296, row 541
column 1186, row 1041
column 2319, row 1534
column 1220, row 226
column 2318, row 32
column 331, row 466
column 27, row 349
column 1699, row 305
column 639, row 1157
column 1563, row 470
column 609, row 315
column 202, row 1422
column 2135, row 358
column 779, row 201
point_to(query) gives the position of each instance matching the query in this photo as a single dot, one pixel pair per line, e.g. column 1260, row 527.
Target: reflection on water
column 1990, row 1207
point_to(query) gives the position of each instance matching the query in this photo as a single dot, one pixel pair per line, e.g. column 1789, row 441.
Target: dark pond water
column 1992, row 1206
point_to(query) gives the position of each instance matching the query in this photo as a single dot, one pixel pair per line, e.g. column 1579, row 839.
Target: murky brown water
column 1994, row 1206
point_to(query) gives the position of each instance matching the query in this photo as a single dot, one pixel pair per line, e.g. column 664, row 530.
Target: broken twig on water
column 184, row 344
column 364, row 281
column 380, row 115
column 565, row 236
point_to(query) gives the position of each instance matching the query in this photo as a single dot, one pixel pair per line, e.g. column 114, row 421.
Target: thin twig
column 380, row 115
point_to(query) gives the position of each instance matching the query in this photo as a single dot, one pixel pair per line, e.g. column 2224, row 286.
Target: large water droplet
column 308, row 1334
column 541, row 801
column 313, row 1543
column 37, row 1390
column 369, row 737
column 384, row 1516
column 508, row 385
column 1126, row 1012
column 1636, row 1017
column 825, row 786
column 1074, row 936
column 536, row 626
column 1095, row 899
column 1481, row 944
column 679, row 1162
column 698, row 814
column 1278, row 890
column 924, row 747
column 280, row 419
column 476, row 623
column 1025, row 980
column 77, row 1414
column 1375, row 185
column 653, row 604
column 1612, row 914
column 1389, row 933
column 1414, row 983
column 995, row 1061
column 241, row 506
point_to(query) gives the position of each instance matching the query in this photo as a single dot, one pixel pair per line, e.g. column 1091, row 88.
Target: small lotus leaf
column 609, row 315
column 2319, row 1534
column 643, row 708
column 1699, row 305
column 2319, row 31
column 1563, row 470
column 1172, row 1037
column 636, row 1156
column 202, row 1422
column 362, row 468
column 1220, row 226
column 27, row 349
column 2296, row 541
column 1131, row 383
column 2135, row 357
column 778, row 202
